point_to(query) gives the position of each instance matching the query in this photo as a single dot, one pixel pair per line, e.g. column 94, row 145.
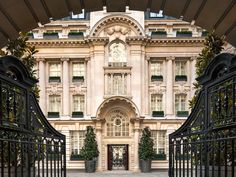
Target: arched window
column 117, row 124
column 117, row 52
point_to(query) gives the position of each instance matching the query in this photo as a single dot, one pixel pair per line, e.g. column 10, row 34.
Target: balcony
column 77, row 114
column 76, row 35
column 182, row 114
column 50, row 35
column 158, row 34
column 156, row 78
column 181, row 78
column 184, row 34
column 78, row 79
column 53, row 115
column 157, row 113
column 54, row 79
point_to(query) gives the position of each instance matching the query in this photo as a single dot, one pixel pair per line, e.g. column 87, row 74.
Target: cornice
column 58, row 42
column 176, row 41
column 104, row 40
column 97, row 40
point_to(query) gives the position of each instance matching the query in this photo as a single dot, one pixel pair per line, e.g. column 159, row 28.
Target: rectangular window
column 78, row 71
column 55, row 72
column 117, row 84
column 159, row 139
column 180, row 102
column 156, row 68
column 78, row 103
column 54, row 103
column 78, row 16
column 180, row 68
column 156, row 102
column 156, row 15
column 77, row 141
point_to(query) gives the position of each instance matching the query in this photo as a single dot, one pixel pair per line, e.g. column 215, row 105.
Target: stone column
column 169, row 86
column 193, row 74
column 128, row 84
column 88, row 86
column 67, row 134
column 66, row 85
column 42, row 82
column 136, row 141
column 99, row 140
column 106, row 84
column 147, row 82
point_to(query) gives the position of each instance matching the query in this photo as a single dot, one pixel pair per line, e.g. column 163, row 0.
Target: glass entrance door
column 118, row 157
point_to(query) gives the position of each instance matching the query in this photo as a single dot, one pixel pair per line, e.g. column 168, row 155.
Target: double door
column 118, row 157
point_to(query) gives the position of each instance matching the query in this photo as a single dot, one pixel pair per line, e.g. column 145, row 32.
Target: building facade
column 118, row 72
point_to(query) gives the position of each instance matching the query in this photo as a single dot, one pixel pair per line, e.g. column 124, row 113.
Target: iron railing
column 205, row 145
column 29, row 145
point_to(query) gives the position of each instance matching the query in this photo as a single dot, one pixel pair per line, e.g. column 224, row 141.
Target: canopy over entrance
column 24, row 15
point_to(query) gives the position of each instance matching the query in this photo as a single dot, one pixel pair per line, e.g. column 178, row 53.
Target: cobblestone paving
column 117, row 174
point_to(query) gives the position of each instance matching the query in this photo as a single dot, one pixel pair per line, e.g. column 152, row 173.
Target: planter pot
column 90, row 166
column 145, row 166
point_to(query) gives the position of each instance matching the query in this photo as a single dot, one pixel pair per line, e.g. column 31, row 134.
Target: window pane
column 76, row 141
column 78, row 103
column 180, row 102
column 54, row 103
column 55, row 70
column 78, row 69
column 156, row 102
column 156, row 68
column 117, row 124
column 180, row 68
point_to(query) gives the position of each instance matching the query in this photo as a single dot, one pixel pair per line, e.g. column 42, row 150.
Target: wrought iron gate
column 29, row 145
column 205, row 145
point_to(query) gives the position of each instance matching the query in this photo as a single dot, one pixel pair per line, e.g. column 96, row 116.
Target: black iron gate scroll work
column 205, row 145
column 29, row 145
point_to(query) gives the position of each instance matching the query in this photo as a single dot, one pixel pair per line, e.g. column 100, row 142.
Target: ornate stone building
column 118, row 72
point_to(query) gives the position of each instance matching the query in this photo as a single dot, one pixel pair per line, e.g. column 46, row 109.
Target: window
column 180, row 102
column 54, row 106
column 156, row 102
column 54, row 103
column 180, row 68
column 77, row 141
column 78, row 16
column 156, row 71
column 117, row 84
column 78, row 103
column 54, row 72
column 156, row 15
column 180, row 71
column 78, row 71
column 159, row 139
column 117, row 124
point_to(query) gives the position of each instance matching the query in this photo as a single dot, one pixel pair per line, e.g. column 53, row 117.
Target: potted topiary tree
column 90, row 150
column 145, row 150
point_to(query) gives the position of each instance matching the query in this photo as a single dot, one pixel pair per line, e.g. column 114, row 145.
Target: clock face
column 117, row 52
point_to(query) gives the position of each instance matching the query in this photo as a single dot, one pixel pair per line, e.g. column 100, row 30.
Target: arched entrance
column 117, row 119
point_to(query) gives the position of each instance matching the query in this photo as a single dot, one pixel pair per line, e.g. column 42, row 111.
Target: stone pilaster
column 136, row 141
column 42, row 81
column 66, row 85
column 169, row 86
column 193, row 74
column 88, row 85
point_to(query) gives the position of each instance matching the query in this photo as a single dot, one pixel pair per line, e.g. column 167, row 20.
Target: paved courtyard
column 158, row 173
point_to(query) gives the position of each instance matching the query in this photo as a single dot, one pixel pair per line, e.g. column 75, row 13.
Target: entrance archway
column 16, row 16
column 118, row 117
